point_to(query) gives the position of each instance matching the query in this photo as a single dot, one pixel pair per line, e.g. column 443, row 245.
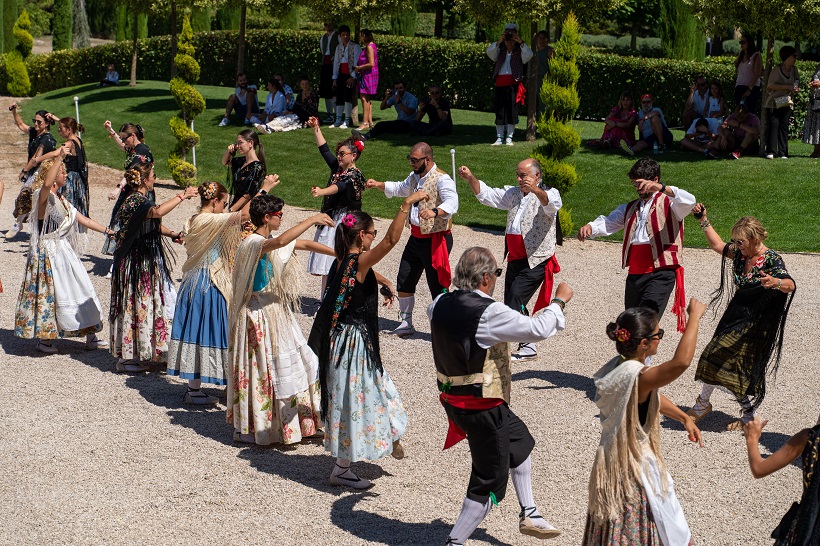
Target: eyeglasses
column 658, row 334
column 125, row 137
column 278, row 214
column 497, row 272
column 373, row 233
column 739, row 242
column 341, row 154
column 225, row 203
column 416, row 160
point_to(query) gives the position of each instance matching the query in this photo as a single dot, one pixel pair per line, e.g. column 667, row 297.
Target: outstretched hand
column 270, row 182
column 699, row 211
column 323, row 220
column 753, row 429
column 465, row 173
column 417, row 196
column 313, row 122
column 693, row 432
column 584, row 233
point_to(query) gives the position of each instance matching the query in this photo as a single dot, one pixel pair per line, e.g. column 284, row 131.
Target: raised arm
column 113, row 134
column 294, row 232
column 93, row 225
column 712, row 237
column 467, row 175
column 18, row 121
column 658, row 376
column 317, row 131
column 161, row 210
column 374, row 255
column 779, row 459
column 51, row 176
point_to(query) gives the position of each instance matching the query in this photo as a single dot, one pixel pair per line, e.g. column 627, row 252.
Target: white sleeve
column 492, row 51
column 607, row 225
column 398, row 189
column 449, row 195
column 681, row 203
column 526, row 53
column 500, row 323
column 432, row 306
column 493, row 197
column 555, row 202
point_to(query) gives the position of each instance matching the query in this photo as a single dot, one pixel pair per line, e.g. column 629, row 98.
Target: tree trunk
column 633, row 41
column 439, row 22
column 532, row 85
column 174, row 44
column 240, row 43
column 764, row 94
column 134, row 38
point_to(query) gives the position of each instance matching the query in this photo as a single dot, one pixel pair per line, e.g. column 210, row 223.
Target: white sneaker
column 344, row 125
column 338, row 122
column 525, row 352
column 262, row 128
column 405, row 329
column 509, row 141
column 48, row 349
column 769, row 156
column 224, row 122
column 96, row 343
column 498, row 142
column 15, row 229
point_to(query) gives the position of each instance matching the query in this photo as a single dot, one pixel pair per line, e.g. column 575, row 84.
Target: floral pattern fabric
column 35, row 316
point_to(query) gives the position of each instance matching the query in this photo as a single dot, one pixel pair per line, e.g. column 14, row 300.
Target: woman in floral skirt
column 57, row 298
column 631, row 495
column 362, row 412
column 272, row 392
column 142, row 295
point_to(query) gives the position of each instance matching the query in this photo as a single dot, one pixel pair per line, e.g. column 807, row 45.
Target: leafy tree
column 191, row 104
column 10, row 12
column 61, row 25
column 682, row 35
column 403, row 21
column 19, row 84
column 82, row 31
column 559, row 94
column 637, row 18
column 200, row 19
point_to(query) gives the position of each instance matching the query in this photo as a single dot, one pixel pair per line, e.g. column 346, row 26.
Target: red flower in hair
column 359, row 145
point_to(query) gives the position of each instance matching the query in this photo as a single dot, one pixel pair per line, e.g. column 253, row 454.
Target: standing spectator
column 367, row 73
column 749, row 65
column 112, row 77
column 619, row 125
column 437, row 110
column 286, row 90
column 811, row 131
column 249, row 169
column 545, row 53
column 243, row 101
column 716, row 105
column 327, row 46
column 784, row 81
column 344, row 76
column 740, row 132
column 509, row 54
column 696, row 104
column 652, row 126
column 406, row 105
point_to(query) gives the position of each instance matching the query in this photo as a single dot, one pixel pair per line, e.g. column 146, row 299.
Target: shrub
column 192, row 104
column 62, row 23
column 18, row 82
column 560, row 98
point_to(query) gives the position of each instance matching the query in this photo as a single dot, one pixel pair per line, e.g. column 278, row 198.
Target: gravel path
column 94, row 457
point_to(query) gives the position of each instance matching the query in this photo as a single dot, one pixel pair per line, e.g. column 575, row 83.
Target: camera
column 390, row 92
column 508, row 35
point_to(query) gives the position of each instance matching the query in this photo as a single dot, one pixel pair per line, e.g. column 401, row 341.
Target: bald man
column 430, row 243
column 531, row 235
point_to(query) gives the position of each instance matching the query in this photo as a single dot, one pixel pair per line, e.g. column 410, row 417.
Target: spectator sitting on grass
column 243, row 102
column 652, row 126
column 437, row 110
column 286, row 90
column 406, row 106
column 275, row 104
column 696, row 104
column 619, row 125
column 739, row 132
column 716, row 106
column 701, row 138
column 112, row 77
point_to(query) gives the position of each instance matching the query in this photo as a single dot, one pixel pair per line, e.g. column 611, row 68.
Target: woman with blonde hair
column 198, row 350
column 631, row 494
column 748, row 339
column 142, row 295
column 57, row 298
column 273, row 396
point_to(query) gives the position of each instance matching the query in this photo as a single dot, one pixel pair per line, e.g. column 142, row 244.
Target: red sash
column 439, row 253
column 505, row 80
column 517, row 251
column 454, row 432
column 327, row 59
column 344, row 69
column 641, row 262
column 640, row 259
column 515, row 247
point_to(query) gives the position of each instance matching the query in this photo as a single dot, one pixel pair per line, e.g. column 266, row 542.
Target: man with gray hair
column 428, row 249
column 531, row 235
column 471, row 335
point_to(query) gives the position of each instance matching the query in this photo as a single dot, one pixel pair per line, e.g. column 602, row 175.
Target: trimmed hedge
column 461, row 67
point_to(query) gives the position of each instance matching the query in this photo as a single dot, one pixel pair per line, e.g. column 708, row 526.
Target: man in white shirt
column 243, row 101
column 697, row 102
column 471, row 334
column 530, row 238
column 653, row 240
column 430, row 242
column 509, row 55
column 327, row 46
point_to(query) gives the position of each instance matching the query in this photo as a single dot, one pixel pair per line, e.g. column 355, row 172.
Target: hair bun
column 132, row 177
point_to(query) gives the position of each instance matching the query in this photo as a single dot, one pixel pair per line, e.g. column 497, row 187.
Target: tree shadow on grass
column 104, row 94
column 150, row 106
column 559, row 380
column 374, row 528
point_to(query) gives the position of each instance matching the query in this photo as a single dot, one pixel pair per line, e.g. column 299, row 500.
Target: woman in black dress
column 247, row 171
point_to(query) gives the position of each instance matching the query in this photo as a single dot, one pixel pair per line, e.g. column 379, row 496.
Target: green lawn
column 780, row 193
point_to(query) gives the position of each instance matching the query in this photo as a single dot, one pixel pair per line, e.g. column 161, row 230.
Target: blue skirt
column 199, row 336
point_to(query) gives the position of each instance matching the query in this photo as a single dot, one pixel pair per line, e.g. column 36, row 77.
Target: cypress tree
column 200, row 19
column 682, row 36
column 62, row 22
column 10, row 12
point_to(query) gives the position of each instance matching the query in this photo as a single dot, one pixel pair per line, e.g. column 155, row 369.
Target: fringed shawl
column 619, row 459
column 211, row 241
column 807, row 526
column 762, row 309
column 59, row 222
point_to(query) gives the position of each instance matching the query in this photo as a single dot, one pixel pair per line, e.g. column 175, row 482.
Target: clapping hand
column 270, row 182
column 313, row 121
column 767, row 281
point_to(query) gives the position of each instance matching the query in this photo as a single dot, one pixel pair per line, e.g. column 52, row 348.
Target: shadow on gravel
column 559, row 380
column 374, row 528
column 308, row 470
column 100, row 265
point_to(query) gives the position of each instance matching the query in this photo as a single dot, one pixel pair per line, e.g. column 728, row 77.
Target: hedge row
column 461, row 67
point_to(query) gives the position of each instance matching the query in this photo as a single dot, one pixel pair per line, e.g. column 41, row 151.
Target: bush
column 645, row 47
column 192, row 104
column 18, row 82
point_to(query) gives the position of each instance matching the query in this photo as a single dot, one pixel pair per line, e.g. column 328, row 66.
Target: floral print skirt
column 141, row 331
column 273, row 357
column 75, row 192
column 365, row 414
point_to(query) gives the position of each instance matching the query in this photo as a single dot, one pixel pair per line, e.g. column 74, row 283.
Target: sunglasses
column 36, row 121
column 342, row 154
column 497, row 272
column 738, row 242
column 373, row 233
column 416, row 160
column 278, row 214
column 658, row 334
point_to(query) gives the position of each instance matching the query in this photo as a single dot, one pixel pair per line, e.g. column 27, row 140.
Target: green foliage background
column 62, row 23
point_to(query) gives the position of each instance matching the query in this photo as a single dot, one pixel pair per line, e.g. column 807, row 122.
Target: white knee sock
column 522, row 481
column 471, row 516
column 324, row 285
column 499, row 131
column 510, row 130
column 706, row 392
column 348, row 109
column 406, row 310
column 330, row 106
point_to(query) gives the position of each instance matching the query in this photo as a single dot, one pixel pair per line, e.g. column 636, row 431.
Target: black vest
column 453, row 328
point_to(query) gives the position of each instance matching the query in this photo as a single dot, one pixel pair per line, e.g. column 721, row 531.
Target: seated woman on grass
column 619, row 125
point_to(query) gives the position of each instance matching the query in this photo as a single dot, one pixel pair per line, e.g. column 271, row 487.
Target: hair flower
column 209, row 191
column 622, row 335
column 349, row 220
column 359, row 145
